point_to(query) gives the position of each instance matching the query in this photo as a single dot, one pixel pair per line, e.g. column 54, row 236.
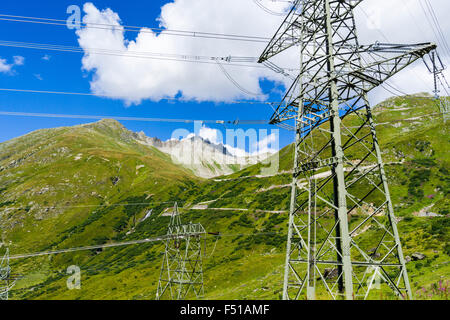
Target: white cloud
column 262, row 146
column 19, row 60
column 135, row 79
column 6, row 67
column 38, row 76
column 402, row 22
column 207, row 134
column 266, row 145
column 46, row 57
column 215, row 136
column 212, row 135
column 236, row 152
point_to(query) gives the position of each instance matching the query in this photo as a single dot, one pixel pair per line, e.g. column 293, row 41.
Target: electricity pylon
column 436, row 67
column 340, row 192
column 182, row 266
column 7, row 280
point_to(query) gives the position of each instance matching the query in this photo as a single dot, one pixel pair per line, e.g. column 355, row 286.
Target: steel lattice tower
column 7, row 281
column 182, row 266
column 339, row 188
column 436, row 67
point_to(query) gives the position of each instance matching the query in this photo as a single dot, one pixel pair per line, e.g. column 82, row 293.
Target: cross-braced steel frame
column 436, row 67
column 182, row 267
column 340, row 193
column 444, row 107
column 7, row 280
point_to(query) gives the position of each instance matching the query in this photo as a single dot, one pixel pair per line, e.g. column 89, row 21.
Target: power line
column 194, row 34
column 230, row 60
column 435, row 21
column 394, row 88
column 414, row 97
column 106, row 96
column 104, row 246
column 235, row 83
column 446, row 86
column 434, row 25
column 402, row 93
column 89, row 206
column 368, row 18
column 62, row 93
column 442, row 38
column 442, row 83
column 417, row 24
column 151, row 30
column 387, row 40
column 141, row 55
column 127, row 243
column 96, row 117
column 269, row 11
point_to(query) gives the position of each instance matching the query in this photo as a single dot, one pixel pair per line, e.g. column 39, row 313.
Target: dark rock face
column 374, row 254
column 330, row 273
column 418, row 256
column 115, row 180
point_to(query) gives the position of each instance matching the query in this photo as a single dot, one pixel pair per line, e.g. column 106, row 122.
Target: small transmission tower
column 182, row 266
column 339, row 187
column 436, row 67
column 7, row 281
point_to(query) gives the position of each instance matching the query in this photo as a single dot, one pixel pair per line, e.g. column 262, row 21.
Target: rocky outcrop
column 330, row 273
column 418, row 256
column 205, row 158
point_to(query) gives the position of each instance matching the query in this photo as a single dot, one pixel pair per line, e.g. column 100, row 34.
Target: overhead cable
column 98, row 117
column 151, row 30
column 106, row 96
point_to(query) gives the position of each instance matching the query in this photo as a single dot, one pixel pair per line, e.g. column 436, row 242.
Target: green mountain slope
column 93, row 184
column 68, row 180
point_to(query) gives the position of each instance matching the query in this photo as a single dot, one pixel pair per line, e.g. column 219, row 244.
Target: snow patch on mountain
column 204, row 157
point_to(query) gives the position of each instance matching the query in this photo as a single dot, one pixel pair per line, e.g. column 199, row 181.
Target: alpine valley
column 101, row 183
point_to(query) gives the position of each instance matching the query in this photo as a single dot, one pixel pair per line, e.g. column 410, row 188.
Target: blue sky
column 62, row 72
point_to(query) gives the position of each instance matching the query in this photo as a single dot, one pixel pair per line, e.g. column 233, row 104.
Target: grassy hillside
column 62, row 188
